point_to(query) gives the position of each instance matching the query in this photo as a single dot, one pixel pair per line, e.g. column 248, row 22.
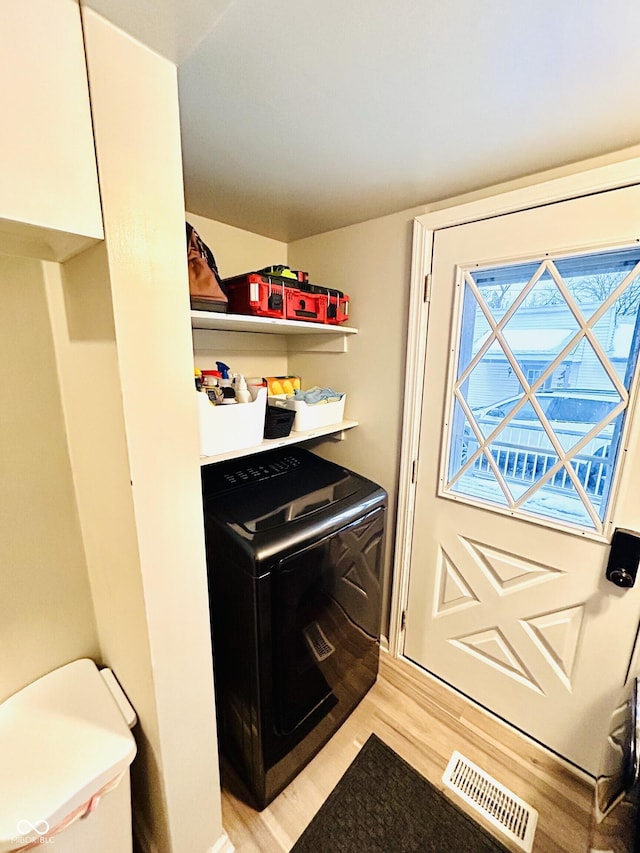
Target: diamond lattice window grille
column 545, row 357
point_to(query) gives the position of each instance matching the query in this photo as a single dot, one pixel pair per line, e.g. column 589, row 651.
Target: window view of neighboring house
column 545, row 359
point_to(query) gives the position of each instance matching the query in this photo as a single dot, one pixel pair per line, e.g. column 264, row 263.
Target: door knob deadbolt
column 624, row 558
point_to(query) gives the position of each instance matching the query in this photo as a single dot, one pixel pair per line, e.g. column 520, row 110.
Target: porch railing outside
column 524, row 464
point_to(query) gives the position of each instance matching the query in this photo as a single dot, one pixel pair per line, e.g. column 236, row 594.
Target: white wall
column 46, row 611
column 79, row 297
column 237, row 251
column 371, row 262
column 136, row 127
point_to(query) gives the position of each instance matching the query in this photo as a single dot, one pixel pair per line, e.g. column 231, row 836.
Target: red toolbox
column 253, row 293
column 302, row 305
column 318, row 304
column 337, row 303
column 285, row 298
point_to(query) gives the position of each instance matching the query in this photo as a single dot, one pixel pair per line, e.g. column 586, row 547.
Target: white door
column 522, row 473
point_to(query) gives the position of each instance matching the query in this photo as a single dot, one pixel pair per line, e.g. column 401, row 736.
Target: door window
column 544, row 362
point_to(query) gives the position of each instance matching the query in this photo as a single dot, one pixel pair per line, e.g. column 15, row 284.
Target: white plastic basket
column 312, row 416
column 231, row 427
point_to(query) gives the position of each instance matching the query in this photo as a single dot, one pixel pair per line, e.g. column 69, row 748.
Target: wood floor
column 424, row 722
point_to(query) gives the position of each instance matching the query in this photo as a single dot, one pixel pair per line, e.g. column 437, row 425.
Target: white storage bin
column 312, row 416
column 231, row 427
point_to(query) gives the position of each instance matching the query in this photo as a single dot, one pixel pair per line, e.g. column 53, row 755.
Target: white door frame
column 538, row 192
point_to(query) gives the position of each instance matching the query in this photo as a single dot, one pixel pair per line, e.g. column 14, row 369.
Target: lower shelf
column 270, row 443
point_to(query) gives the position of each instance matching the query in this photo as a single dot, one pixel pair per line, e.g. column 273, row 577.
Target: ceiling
column 300, row 116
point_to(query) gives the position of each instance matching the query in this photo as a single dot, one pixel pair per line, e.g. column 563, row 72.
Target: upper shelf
column 301, row 336
column 266, row 325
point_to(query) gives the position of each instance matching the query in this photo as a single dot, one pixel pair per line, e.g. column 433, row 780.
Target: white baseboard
column 146, row 843
column 222, row 845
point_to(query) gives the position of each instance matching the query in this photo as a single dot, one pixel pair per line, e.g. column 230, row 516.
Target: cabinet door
column 50, row 204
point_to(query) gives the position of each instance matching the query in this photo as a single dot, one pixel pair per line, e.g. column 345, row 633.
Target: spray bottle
column 228, row 394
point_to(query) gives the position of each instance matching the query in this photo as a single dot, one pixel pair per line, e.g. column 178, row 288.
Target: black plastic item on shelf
column 278, row 422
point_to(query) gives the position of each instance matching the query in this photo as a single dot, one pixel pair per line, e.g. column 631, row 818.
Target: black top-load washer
column 294, row 559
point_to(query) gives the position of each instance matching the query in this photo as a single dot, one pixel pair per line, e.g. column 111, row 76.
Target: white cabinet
column 300, row 336
column 50, row 202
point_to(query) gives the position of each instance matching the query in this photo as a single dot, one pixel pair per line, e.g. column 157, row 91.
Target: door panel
column 518, row 614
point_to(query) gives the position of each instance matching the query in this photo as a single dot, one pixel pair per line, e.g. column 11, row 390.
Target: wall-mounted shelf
column 302, row 336
column 265, row 325
column 335, row 430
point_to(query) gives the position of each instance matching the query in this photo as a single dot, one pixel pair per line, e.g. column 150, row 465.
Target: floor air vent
column 511, row 815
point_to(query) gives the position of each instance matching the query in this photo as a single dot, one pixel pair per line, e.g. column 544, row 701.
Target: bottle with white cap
column 243, row 395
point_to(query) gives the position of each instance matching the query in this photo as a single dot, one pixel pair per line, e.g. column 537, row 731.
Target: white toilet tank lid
column 62, row 739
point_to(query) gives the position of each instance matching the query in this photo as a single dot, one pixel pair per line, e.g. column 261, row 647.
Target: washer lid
column 261, row 495
column 62, row 739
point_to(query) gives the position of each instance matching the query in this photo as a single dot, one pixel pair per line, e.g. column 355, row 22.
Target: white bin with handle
column 313, row 416
column 65, row 752
column 236, row 426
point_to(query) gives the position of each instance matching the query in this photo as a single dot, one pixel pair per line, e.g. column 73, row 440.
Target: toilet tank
column 66, row 748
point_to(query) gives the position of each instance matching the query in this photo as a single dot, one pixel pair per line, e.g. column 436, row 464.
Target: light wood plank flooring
column 424, row 722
